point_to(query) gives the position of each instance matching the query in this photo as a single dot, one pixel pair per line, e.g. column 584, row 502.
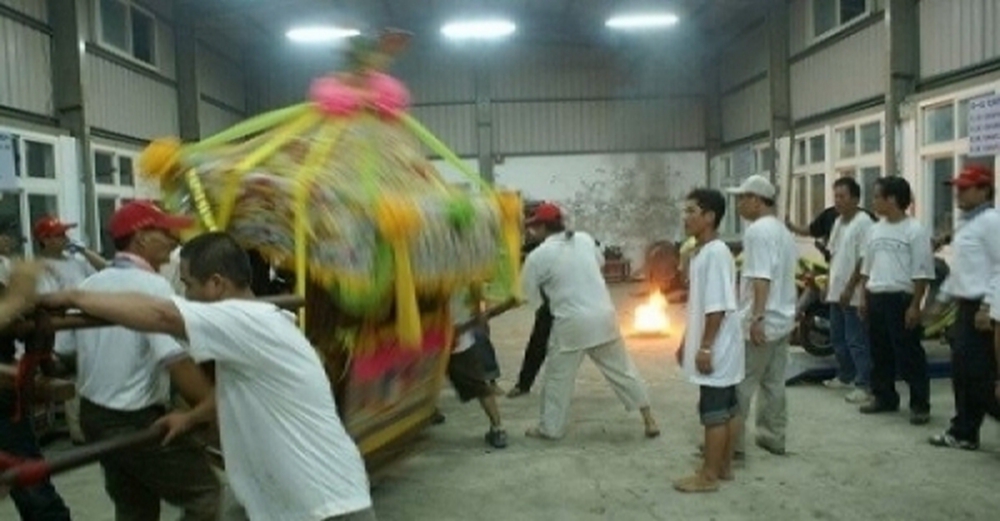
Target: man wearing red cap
column 975, row 260
column 566, row 268
column 124, row 379
column 67, row 265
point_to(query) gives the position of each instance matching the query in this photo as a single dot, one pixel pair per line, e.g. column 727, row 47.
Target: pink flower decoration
column 388, row 95
column 334, row 97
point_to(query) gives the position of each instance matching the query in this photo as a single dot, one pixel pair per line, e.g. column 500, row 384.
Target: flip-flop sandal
column 537, row 434
column 695, row 484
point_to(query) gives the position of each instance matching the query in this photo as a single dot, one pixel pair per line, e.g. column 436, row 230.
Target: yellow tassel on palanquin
column 160, row 159
column 511, row 214
column 399, row 221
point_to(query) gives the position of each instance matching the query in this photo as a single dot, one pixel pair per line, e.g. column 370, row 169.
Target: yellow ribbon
column 311, row 167
column 200, row 200
column 291, row 130
column 511, row 213
column 399, row 221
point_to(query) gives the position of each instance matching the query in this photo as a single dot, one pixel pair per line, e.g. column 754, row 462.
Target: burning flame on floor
column 651, row 317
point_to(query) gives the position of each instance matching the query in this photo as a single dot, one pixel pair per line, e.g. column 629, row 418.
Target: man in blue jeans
column 17, row 438
column 850, row 341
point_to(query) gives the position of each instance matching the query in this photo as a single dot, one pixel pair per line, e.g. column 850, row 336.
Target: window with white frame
column 943, row 129
column 38, row 195
column 722, row 179
column 114, row 174
column 829, row 16
column 859, row 154
column 809, row 179
column 126, row 29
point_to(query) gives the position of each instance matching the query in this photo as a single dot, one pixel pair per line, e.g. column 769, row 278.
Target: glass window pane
column 871, row 138
column 11, row 237
column 939, row 124
column 106, row 207
column 824, row 16
column 114, row 16
column 143, row 37
column 125, row 174
column 845, row 173
column 939, row 171
column 801, row 201
column 801, row 152
column 104, row 167
column 817, row 193
column 848, row 141
column 817, row 149
column 851, row 9
column 41, row 161
column 867, row 181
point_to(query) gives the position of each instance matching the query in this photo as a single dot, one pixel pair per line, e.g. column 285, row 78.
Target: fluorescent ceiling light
column 478, row 29
column 320, row 34
column 642, row 21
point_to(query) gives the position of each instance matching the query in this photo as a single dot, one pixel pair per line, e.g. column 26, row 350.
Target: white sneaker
column 835, row 383
column 858, row 396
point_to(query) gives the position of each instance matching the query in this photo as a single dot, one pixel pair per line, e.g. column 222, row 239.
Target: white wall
column 955, row 34
column 627, row 200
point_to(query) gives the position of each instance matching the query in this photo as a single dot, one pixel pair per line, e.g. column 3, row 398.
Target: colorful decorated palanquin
column 340, row 190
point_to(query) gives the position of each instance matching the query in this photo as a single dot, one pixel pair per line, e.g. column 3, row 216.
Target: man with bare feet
column 712, row 352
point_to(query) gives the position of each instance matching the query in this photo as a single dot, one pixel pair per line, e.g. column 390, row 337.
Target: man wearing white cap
column 767, row 306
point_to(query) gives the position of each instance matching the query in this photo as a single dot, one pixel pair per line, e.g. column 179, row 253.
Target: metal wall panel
column 455, row 125
column 743, row 59
column 221, row 77
column 852, row 70
column 25, row 68
column 587, row 126
column 573, row 73
column 37, row 9
column 436, row 78
column 214, row 119
column 799, row 26
column 955, row 34
column 745, row 112
column 123, row 101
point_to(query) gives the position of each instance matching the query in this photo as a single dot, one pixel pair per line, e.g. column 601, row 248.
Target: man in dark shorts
column 467, row 373
column 712, row 354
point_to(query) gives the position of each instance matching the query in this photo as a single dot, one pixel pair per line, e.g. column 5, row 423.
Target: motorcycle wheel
column 815, row 337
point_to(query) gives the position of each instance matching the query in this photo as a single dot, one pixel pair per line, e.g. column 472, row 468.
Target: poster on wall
column 984, row 126
column 8, row 175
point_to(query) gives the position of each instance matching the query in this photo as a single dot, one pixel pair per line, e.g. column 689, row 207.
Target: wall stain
column 636, row 201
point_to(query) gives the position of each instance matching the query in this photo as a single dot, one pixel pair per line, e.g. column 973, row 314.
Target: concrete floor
column 841, row 465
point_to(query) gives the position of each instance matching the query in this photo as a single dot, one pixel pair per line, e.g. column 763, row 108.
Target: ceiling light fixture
column 642, row 21
column 320, row 34
column 478, row 29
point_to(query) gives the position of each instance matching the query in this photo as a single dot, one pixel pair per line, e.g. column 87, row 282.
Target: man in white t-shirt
column 287, row 454
column 896, row 268
column 712, row 354
column 847, row 331
column 124, row 379
column 767, row 307
column 975, row 258
column 566, row 267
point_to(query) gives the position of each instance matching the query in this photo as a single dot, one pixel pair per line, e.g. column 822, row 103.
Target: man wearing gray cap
column 767, row 305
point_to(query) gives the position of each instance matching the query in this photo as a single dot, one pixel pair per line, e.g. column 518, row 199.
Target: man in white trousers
column 767, row 305
column 567, row 268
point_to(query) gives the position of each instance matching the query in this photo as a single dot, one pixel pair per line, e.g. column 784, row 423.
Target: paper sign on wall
column 984, row 126
column 8, row 174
